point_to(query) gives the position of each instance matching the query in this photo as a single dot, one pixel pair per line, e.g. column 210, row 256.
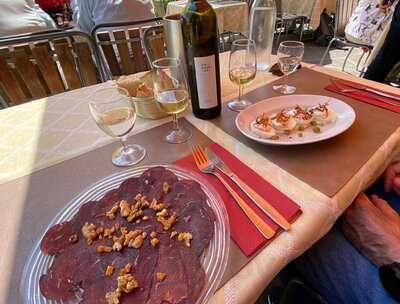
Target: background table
column 40, row 139
column 232, row 16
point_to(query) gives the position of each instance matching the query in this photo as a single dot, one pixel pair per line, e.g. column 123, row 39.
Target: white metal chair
column 344, row 10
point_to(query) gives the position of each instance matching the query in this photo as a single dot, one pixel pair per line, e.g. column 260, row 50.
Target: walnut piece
column 137, row 242
column 111, row 214
column 134, row 214
column 103, row 249
column 156, row 206
column 127, row 269
column 108, row 232
column 112, row 297
column 125, row 208
column 127, row 283
column 131, row 235
column 186, row 237
column 153, row 234
column 89, row 232
column 117, row 246
column 162, row 213
column 154, row 242
column 73, row 238
column 167, row 222
column 109, row 271
column 160, row 276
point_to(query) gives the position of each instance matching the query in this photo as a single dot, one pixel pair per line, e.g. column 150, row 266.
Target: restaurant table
column 51, row 150
column 232, row 16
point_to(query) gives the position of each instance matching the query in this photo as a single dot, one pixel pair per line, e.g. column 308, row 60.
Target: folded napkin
column 365, row 96
column 243, row 232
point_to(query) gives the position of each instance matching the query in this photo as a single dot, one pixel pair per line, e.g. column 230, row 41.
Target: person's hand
column 392, row 178
column 374, row 229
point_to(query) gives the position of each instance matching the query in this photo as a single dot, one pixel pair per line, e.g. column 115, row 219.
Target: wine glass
column 290, row 54
column 114, row 112
column 242, row 69
column 171, row 94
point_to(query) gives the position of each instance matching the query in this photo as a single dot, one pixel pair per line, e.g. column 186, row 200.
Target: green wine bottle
column 200, row 39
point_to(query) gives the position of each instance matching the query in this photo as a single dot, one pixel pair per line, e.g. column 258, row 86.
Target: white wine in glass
column 173, row 101
column 290, row 54
column 171, row 94
column 242, row 76
column 117, row 122
column 114, row 112
column 242, row 69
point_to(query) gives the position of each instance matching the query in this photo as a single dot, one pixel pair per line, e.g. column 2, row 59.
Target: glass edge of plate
column 93, row 187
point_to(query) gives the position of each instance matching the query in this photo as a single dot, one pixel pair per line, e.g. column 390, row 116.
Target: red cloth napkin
column 364, row 96
column 243, row 232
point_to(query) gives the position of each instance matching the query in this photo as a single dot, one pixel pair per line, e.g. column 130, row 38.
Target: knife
column 367, row 89
column 250, row 192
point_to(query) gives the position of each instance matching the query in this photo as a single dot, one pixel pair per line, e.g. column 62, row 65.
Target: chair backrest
column 43, row 64
column 344, row 10
column 128, row 47
column 154, row 43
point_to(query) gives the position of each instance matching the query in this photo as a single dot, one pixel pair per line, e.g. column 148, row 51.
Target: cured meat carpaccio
column 141, row 243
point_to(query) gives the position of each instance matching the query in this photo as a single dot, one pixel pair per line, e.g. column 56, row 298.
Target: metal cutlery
column 371, row 90
column 353, row 89
column 206, row 166
column 250, row 192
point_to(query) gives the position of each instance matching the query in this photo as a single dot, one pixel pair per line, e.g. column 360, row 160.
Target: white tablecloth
column 48, row 131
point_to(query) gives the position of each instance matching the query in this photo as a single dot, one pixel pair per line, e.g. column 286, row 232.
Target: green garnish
column 313, row 123
column 317, row 130
column 301, row 128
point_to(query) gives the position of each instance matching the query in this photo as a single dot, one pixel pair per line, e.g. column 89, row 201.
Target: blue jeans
column 339, row 272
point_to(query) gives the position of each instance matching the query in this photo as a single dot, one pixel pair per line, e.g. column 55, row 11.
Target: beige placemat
column 49, row 189
column 326, row 166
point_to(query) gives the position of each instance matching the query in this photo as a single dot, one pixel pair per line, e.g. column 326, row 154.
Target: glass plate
column 214, row 260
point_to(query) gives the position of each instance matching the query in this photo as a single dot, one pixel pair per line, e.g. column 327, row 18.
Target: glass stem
column 286, row 80
column 175, row 122
column 123, row 143
column 240, row 92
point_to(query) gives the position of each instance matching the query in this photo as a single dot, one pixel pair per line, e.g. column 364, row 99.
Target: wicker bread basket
column 140, row 87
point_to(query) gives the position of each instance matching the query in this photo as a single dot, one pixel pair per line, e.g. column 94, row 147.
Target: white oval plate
column 345, row 118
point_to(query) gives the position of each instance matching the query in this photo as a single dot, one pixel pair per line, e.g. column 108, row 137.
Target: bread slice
column 130, row 83
column 144, row 91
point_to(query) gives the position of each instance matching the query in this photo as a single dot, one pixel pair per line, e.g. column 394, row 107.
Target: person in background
column 23, row 16
column 88, row 13
column 360, row 263
column 52, row 6
column 368, row 20
column 389, row 54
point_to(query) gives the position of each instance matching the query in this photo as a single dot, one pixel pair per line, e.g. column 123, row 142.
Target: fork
column 206, row 166
column 350, row 90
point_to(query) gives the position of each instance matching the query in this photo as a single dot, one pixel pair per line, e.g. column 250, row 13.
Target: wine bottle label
column 206, row 79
